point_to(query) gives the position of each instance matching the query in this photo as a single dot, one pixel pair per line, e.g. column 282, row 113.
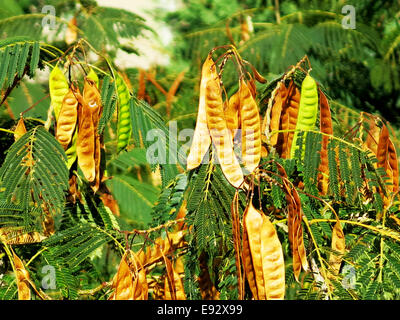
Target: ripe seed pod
column 67, row 117
column 251, row 128
column 290, row 109
column 253, row 221
column 124, row 117
column 201, row 138
column 58, row 86
column 86, row 142
column 232, row 113
column 265, row 255
column 308, row 112
column 220, row 135
column 123, row 282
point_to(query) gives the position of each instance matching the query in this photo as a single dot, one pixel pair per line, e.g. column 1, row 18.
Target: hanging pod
column 262, row 256
column 220, row 135
column 67, row 117
column 308, row 112
column 201, row 138
column 58, row 86
column 250, row 128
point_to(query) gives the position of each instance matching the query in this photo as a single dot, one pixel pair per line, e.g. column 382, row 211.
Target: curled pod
column 251, row 128
column 308, row 112
column 220, row 135
column 85, row 145
column 201, row 138
column 67, row 117
column 58, row 86
column 124, row 116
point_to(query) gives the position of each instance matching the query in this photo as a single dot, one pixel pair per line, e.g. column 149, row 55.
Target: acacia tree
column 282, row 204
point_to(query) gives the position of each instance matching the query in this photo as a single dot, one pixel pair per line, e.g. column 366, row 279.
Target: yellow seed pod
column 22, row 276
column 251, row 128
column 67, row 117
column 232, row 113
column 220, row 135
column 338, row 245
column 58, row 86
column 85, row 147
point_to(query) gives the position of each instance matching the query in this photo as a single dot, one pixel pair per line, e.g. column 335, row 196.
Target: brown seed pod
column 276, row 111
column 251, row 128
column 290, row 111
column 325, row 127
column 123, row 281
column 67, row 117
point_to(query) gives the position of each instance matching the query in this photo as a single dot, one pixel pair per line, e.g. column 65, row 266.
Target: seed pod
column 394, row 166
column 173, row 286
column 290, row 109
column 251, row 128
column 85, row 146
column 325, row 127
column 23, row 280
column 58, row 85
column 253, row 222
column 201, row 138
column 123, row 281
column 124, row 116
column 91, row 97
column 248, row 265
column 20, row 129
column 220, row 135
column 338, row 245
column 266, row 255
column 308, row 112
column 272, row 260
column 67, row 117
column 382, row 150
column 71, row 151
column 232, row 113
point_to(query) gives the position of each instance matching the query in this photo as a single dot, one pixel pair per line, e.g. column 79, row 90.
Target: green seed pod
column 58, row 86
column 124, row 118
column 308, row 112
column 71, row 151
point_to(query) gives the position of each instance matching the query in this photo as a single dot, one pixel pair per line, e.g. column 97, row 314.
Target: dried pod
column 251, row 128
column 201, row 138
column 220, row 135
column 67, row 117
